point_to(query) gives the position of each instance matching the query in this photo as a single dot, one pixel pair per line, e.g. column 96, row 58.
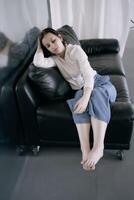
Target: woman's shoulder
column 73, row 48
column 76, row 50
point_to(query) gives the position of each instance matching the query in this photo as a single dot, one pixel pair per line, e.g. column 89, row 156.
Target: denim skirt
column 103, row 94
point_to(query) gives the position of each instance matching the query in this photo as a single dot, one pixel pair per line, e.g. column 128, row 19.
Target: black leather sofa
column 41, row 96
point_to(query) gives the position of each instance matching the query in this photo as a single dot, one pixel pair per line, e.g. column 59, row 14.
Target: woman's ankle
column 85, row 150
column 98, row 147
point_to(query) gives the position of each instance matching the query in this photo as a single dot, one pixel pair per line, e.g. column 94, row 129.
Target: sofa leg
column 120, row 154
column 35, row 149
column 20, row 150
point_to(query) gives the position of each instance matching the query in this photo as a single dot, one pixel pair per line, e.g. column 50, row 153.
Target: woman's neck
column 62, row 55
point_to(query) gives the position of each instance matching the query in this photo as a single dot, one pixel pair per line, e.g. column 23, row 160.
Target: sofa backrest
column 100, row 46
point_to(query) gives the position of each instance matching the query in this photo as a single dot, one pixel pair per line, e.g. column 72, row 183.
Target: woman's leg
column 83, row 133
column 99, row 129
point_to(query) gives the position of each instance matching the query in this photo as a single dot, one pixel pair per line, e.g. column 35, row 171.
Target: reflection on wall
column 5, row 44
column 17, row 17
column 12, row 53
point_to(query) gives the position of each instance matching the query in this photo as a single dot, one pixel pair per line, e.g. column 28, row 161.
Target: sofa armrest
column 27, row 102
column 100, row 46
column 122, row 111
column 24, row 91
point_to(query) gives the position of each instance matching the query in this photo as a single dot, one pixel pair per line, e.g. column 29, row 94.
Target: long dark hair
column 45, row 31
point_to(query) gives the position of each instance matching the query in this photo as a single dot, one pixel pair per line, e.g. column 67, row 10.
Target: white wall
column 18, row 16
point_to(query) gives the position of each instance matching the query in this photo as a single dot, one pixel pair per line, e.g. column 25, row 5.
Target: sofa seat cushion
column 107, row 64
column 57, row 110
column 55, row 122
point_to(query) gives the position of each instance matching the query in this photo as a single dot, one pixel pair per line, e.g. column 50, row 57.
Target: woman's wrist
column 87, row 92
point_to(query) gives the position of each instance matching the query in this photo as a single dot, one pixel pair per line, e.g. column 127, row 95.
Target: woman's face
column 54, row 43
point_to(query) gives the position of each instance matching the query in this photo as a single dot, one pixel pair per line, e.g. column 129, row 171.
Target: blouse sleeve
column 85, row 67
column 40, row 61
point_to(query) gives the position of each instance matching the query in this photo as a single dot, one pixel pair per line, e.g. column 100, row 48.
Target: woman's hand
column 81, row 105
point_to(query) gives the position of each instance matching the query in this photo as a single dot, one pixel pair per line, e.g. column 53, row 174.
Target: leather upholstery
column 20, row 56
column 48, row 83
column 46, row 120
column 100, row 46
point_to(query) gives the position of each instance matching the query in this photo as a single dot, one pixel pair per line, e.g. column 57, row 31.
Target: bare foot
column 84, row 157
column 93, row 157
column 84, row 160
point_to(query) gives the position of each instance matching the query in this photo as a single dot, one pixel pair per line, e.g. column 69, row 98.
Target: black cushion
column 49, row 83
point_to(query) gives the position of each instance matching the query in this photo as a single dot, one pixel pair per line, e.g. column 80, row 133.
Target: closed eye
column 53, row 41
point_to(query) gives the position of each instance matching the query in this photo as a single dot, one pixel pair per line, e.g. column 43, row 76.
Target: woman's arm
column 82, row 103
column 39, row 59
column 88, row 76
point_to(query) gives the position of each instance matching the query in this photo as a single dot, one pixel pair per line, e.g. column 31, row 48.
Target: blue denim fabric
column 102, row 95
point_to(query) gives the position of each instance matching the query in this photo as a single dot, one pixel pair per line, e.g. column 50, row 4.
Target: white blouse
column 75, row 66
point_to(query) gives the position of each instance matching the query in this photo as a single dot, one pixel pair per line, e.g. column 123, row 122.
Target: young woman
column 94, row 93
